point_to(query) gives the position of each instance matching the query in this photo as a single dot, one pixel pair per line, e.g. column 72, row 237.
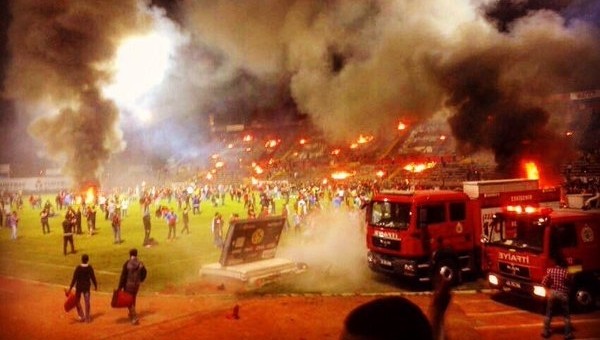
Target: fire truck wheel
column 448, row 269
column 584, row 299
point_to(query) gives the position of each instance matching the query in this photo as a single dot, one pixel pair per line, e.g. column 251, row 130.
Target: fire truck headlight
column 409, row 267
column 539, row 291
column 493, row 279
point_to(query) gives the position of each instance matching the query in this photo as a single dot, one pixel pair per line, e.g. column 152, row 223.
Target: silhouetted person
column 398, row 318
column 68, row 236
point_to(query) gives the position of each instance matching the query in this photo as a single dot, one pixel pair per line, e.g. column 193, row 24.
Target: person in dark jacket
column 44, row 219
column 133, row 274
column 68, row 236
column 186, row 221
column 83, row 277
column 147, row 226
column 78, row 221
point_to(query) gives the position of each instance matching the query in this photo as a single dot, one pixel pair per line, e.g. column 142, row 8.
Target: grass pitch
column 39, row 257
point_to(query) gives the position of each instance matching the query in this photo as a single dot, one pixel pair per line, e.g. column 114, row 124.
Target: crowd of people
column 174, row 204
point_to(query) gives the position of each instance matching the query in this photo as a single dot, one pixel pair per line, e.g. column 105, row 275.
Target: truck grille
column 514, row 270
column 385, row 243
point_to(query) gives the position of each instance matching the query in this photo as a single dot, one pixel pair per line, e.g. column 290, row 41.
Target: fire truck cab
column 520, row 246
column 415, row 233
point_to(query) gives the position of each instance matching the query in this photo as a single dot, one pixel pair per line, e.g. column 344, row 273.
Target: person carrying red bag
column 133, row 274
column 83, row 277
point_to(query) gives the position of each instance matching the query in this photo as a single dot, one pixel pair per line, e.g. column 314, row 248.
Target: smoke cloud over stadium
column 352, row 66
column 360, row 65
column 61, row 61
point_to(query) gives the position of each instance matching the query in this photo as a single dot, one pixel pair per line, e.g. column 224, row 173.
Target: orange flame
column 532, row 170
column 418, row 167
column 90, row 196
column 340, row 175
column 271, row 143
column 364, row 139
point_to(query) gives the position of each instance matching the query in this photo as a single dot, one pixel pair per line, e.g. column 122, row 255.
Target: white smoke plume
column 59, row 51
column 332, row 244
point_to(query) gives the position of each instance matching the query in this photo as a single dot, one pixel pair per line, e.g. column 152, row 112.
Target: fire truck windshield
column 390, row 215
column 520, row 233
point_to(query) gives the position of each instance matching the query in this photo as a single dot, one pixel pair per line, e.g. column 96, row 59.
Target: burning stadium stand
column 302, row 153
column 277, row 153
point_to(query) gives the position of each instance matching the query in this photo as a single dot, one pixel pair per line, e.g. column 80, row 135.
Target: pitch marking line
column 537, row 324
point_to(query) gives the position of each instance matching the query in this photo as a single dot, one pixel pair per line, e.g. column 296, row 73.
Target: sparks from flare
column 140, row 65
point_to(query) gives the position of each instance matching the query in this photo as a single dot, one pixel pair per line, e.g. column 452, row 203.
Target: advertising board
column 251, row 240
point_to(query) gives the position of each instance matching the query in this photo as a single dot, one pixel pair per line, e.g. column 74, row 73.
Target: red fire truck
column 520, row 246
column 415, row 233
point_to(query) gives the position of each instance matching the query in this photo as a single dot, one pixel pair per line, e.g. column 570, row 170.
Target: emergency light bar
column 519, row 209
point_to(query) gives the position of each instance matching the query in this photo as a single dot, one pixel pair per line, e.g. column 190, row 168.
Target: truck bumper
column 517, row 286
column 408, row 268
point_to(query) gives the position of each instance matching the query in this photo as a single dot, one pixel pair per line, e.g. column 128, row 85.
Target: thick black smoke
column 85, row 137
column 504, row 12
column 489, row 118
column 500, row 93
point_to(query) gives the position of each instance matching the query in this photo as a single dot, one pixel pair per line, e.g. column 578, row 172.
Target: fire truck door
column 447, row 228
